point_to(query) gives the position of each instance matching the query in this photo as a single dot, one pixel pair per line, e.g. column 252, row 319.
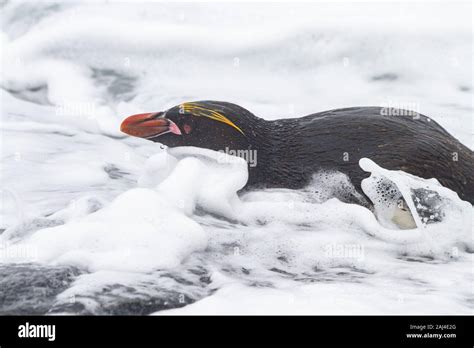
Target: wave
column 129, row 227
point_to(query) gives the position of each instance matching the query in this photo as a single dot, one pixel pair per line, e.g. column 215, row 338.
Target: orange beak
column 148, row 125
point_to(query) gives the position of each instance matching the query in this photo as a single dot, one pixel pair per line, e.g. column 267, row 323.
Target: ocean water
column 96, row 222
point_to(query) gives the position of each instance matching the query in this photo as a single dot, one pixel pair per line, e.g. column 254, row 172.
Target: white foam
column 139, row 231
column 146, row 229
column 123, row 207
column 142, row 229
column 317, row 299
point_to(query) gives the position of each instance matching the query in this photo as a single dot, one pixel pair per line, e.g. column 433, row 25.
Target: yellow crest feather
column 198, row 110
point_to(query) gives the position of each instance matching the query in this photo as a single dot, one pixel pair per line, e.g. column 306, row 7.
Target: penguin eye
column 187, row 128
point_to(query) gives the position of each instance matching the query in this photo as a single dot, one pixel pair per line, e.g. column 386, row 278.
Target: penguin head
column 206, row 124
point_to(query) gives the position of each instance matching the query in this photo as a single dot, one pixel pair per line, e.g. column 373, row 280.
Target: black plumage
column 291, row 150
